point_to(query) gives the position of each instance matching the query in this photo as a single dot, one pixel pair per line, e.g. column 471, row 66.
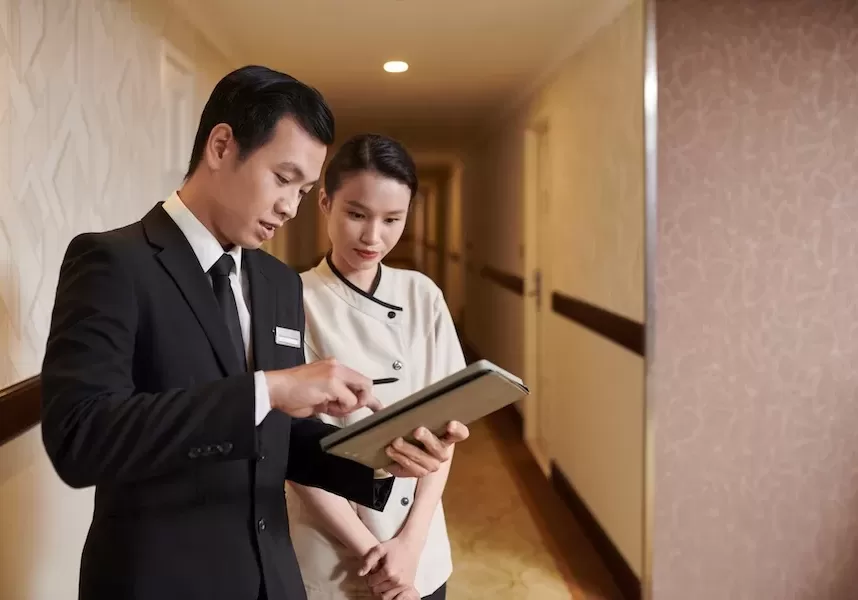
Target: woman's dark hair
column 371, row 152
column 252, row 100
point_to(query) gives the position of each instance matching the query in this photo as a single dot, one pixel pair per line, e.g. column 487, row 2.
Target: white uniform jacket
column 402, row 329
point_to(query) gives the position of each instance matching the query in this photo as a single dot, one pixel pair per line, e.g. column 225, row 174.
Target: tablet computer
column 470, row 394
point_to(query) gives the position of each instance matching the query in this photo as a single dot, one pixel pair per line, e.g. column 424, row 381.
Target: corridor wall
column 81, row 148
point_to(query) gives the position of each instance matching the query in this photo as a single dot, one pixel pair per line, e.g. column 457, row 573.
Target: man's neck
column 194, row 197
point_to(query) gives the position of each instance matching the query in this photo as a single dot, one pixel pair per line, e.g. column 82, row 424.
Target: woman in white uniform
column 384, row 323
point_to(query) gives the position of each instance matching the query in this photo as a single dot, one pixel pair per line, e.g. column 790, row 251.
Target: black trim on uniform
column 367, row 295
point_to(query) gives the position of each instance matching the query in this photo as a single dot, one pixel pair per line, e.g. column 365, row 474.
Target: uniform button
column 261, row 525
column 404, row 501
column 391, row 315
column 397, row 365
column 194, row 453
column 261, row 457
column 226, row 448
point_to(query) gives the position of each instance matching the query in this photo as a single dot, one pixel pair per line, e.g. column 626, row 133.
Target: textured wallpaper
column 756, row 362
column 82, row 147
column 81, row 141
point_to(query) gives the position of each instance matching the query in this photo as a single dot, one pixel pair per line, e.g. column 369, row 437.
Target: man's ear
column 220, row 146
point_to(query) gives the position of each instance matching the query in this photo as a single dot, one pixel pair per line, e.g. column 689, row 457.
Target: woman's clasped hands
column 390, row 569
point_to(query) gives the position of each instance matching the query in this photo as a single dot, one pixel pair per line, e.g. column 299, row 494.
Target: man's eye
column 280, row 179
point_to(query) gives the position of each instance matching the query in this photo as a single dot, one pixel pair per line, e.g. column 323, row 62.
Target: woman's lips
column 366, row 254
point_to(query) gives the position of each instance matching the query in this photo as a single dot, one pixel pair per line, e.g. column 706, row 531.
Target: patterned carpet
column 513, row 539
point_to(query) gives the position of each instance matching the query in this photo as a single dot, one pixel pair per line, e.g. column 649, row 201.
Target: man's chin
column 251, row 243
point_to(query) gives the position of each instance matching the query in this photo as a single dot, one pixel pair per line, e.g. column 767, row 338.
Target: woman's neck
column 362, row 279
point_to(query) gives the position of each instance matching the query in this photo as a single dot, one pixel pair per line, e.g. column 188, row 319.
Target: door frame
column 180, row 106
column 535, row 290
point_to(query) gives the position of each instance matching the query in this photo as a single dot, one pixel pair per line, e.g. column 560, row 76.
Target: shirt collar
column 204, row 244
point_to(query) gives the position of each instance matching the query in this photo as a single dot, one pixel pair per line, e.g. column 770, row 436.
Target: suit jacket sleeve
column 310, row 466
column 96, row 426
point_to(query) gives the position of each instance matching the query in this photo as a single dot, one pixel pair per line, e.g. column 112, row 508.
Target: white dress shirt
column 208, row 250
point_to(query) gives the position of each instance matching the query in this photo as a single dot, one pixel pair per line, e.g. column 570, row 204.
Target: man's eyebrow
column 290, row 166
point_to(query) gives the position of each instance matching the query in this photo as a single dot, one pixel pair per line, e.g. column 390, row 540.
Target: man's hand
column 413, row 461
column 390, row 566
column 324, row 386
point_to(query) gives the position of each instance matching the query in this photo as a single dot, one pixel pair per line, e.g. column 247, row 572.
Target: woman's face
column 366, row 217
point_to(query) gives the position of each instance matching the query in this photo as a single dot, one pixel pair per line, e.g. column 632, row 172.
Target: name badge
column 287, row 337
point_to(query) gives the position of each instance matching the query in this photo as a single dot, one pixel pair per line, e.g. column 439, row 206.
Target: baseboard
column 627, row 581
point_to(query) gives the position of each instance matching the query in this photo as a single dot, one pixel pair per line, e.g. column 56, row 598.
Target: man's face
column 254, row 197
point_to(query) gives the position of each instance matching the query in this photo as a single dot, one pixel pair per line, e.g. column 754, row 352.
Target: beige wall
column 591, row 397
column 755, row 380
column 81, row 146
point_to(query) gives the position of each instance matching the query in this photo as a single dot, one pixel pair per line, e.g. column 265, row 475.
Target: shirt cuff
column 263, row 398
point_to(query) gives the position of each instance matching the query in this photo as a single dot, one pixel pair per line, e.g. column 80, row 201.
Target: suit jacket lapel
column 263, row 304
column 181, row 263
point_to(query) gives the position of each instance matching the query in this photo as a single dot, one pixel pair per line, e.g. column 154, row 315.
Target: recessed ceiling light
column 396, row 66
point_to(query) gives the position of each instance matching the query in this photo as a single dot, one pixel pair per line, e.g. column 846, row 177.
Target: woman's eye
column 280, row 179
column 391, row 221
column 355, row 215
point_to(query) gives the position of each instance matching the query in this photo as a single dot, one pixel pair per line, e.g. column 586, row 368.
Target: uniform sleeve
column 447, row 356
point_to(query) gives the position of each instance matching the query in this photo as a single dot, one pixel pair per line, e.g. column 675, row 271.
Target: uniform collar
column 369, row 303
column 204, row 244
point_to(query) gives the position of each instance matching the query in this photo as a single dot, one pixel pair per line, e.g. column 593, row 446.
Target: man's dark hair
column 252, row 100
column 371, row 152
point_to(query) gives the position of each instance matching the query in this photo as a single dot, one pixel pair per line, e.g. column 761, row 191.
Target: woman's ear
column 324, row 202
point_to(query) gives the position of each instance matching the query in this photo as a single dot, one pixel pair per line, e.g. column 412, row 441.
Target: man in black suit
column 174, row 377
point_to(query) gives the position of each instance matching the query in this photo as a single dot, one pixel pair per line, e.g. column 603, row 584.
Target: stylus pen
column 384, row 380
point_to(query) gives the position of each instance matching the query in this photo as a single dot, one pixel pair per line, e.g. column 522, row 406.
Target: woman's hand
column 411, row 460
column 403, row 592
column 391, row 566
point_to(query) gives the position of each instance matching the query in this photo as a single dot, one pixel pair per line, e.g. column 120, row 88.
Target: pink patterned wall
column 756, row 348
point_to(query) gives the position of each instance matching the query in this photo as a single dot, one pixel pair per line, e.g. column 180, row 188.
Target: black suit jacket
column 144, row 398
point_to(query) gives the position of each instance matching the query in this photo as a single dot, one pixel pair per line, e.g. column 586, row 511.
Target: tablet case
column 470, row 394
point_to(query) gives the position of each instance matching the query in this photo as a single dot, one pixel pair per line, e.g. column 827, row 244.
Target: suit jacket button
column 404, row 501
column 194, row 453
column 261, row 525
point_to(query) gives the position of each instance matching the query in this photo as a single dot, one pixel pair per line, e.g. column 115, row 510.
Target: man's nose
column 287, row 208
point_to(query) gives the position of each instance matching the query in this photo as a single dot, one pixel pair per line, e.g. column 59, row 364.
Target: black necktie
column 223, row 292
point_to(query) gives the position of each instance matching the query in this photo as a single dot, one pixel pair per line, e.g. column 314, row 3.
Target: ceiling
column 468, row 58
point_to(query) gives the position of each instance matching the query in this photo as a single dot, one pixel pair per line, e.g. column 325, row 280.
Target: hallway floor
column 504, row 548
